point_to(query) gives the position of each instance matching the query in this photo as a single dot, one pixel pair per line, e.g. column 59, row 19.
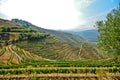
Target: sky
column 58, row 14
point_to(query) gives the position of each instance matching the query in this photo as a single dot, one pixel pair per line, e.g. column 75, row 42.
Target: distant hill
column 90, row 35
column 67, row 37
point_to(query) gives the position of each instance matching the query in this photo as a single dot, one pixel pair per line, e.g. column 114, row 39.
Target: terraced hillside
column 45, row 45
column 54, row 49
column 13, row 55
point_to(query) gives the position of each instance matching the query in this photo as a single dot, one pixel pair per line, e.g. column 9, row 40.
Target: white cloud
column 3, row 16
column 51, row 14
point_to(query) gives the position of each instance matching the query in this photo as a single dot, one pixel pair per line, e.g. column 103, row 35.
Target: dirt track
column 61, row 75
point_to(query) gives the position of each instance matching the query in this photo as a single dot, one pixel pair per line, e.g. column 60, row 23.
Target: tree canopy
column 109, row 29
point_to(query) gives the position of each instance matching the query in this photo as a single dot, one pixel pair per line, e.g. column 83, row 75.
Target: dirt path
column 79, row 54
column 61, row 75
column 10, row 47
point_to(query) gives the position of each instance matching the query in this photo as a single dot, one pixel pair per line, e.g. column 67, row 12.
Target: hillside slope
column 14, row 55
column 67, row 37
column 54, row 49
column 45, row 46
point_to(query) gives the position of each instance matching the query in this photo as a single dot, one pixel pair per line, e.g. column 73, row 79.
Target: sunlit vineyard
column 60, row 69
column 13, row 55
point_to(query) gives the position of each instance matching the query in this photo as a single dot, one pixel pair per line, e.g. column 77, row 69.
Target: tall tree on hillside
column 109, row 38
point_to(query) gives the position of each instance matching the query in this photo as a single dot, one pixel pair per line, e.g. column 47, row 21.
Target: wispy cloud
column 84, row 3
column 91, row 21
column 81, row 5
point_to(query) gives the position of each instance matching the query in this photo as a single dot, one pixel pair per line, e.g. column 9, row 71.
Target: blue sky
column 100, row 6
column 58, row 14
column 95, row 11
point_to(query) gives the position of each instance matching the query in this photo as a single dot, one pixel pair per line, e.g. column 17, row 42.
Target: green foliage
column 114, row 70
column 21, row 29
column 15, row 29
column 22, row 36
column 109, row 39
column 57, row 70
column 36, row 36
column 32, row 36
column 6, row 29
column 62, row 64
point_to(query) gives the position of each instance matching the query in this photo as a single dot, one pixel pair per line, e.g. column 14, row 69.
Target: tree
column 109, row 38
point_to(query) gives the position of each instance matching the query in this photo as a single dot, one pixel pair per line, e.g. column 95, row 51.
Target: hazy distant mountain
column 90, row 35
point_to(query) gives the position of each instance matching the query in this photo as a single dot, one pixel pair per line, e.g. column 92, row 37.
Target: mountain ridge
column 90, row 35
